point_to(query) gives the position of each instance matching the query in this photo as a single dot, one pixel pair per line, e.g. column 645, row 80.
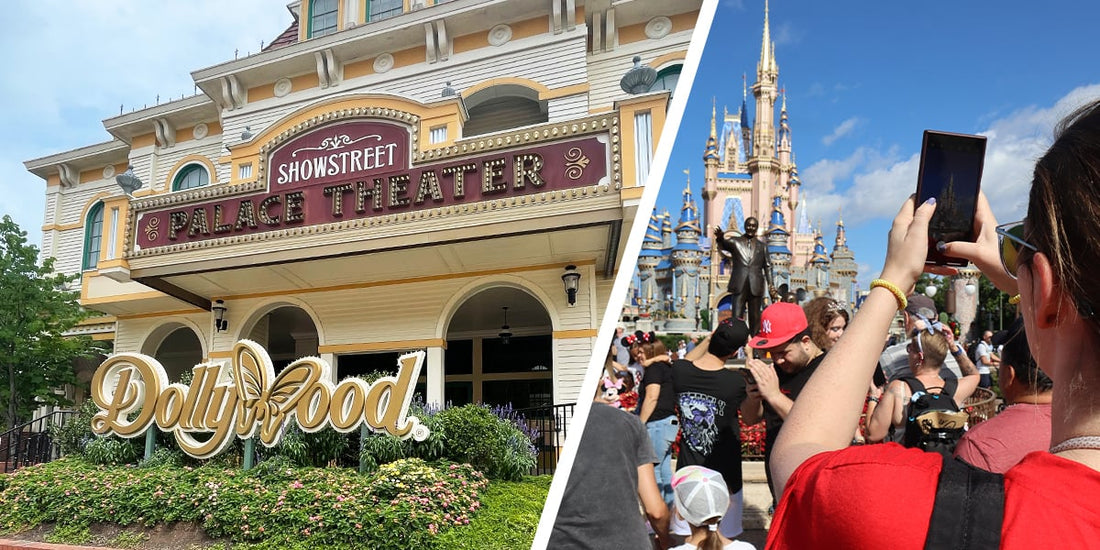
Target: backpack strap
column 969, row 509
column 949, row 387
column 914, row 384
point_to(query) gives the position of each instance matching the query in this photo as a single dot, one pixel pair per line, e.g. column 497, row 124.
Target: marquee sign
column 247, row 399
column 362, row 168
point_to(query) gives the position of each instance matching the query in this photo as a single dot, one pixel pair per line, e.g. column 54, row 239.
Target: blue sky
column 864, row 79
column 72, row 63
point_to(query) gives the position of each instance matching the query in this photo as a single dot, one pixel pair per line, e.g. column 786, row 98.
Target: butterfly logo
column 262, row 397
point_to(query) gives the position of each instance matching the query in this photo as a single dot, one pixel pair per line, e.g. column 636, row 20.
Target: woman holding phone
column 1050, row 260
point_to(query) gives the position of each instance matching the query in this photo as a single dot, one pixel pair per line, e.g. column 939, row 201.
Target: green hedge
column 405, row 504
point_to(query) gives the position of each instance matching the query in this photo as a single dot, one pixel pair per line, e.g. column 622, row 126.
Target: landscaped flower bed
column 410, row 495
column 404, row 504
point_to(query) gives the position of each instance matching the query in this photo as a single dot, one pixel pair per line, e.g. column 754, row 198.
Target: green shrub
column 164, row 456
column 317, row 449
column 111, row 451
column 491, row 444
column 76, row 432
column 377, row 448
column 275, row 468
column 406, row 504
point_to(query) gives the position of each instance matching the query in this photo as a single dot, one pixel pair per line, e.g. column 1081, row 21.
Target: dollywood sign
column 246, row 398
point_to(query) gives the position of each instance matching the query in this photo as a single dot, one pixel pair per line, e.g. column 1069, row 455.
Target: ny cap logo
column 766, row 326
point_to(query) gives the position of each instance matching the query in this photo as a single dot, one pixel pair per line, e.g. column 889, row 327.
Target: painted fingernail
column 931, row 200
column 941, row 246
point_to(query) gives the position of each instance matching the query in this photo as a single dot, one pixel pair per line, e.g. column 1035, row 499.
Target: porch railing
column 551, row 423
column 31, row 442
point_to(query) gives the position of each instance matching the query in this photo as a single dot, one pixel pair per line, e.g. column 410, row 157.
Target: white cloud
column 842, row 130
column 785, row 34
column 738, row 5
column 871, row 184
column 74, row 62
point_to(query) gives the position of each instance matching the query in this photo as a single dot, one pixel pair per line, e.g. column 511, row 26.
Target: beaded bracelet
column 898, row 294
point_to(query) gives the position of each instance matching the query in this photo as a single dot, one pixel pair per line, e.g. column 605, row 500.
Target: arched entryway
column 484, row 363
column 177, row 347
column 287, row 332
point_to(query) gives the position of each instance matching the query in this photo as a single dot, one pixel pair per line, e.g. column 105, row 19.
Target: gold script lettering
column 246, row 398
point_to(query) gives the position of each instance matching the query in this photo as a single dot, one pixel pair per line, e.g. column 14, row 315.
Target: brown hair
column 655, row 348
column 1063, row 214
column 820, row 312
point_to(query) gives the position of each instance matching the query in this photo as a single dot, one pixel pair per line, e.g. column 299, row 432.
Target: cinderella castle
column 750, row 171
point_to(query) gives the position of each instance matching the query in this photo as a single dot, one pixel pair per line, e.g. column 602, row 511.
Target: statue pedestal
column 680, row 325
column 644, row 324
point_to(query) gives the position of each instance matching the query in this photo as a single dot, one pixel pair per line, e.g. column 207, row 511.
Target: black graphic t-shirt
column 710, row 435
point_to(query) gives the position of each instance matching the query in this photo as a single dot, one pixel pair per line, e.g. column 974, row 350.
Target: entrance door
column 499, row 360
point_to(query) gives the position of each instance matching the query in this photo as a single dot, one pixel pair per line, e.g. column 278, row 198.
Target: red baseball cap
column 779, row 323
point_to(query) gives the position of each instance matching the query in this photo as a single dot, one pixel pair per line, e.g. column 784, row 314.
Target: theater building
column 384, row 176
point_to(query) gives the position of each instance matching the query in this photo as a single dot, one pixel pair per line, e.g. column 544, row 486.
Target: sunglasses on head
column 1011, row 237
column 915, row 345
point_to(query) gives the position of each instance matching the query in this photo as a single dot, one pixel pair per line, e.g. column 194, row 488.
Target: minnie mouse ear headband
column 639, row 337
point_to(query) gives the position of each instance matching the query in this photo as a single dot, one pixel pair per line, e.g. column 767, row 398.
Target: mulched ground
column 180, row 536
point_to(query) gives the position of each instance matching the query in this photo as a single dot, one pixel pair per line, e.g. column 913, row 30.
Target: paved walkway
column 757, row 499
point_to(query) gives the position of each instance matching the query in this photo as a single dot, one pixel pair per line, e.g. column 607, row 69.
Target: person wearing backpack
column 873, row 496
column 906, row 411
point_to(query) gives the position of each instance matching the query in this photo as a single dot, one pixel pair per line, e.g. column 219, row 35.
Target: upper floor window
column 502, row 107
column 93, row 237
column 190, row 177
column 667, row 79
column 322, row 17
column 382, row 9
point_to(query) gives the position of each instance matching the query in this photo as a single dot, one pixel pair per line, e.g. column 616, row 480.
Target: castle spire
column 841, row 238
column 710, row 152
column 765, row 45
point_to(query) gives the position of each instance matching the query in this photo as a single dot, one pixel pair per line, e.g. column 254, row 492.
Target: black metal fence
column 551, row 423
column 31, row 443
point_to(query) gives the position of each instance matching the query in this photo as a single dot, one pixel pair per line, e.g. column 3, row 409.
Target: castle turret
column 778, row 251
column 844, row 270
column 818, row 277
column 794, row 186
column 687, row 257
column 648, row 259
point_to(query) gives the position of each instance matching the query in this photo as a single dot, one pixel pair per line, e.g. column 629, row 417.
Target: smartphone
column 747, row 374
column 950, row 170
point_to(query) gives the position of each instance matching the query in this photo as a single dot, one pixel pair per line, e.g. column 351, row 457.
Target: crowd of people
column 867, row 445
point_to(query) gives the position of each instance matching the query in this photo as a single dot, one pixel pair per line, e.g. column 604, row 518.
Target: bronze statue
column 750, row 272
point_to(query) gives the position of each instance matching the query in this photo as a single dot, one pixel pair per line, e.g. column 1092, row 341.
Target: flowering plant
column 403, row 505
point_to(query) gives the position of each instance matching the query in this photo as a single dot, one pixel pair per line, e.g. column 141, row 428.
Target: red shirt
column 1001, row 442
column 881, row 496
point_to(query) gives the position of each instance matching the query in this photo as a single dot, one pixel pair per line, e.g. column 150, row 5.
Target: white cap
column 700, row 494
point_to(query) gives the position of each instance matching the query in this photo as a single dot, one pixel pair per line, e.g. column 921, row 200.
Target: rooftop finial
column 765, row 51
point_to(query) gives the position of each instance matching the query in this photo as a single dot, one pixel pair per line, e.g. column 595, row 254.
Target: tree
column 994, row 311
column 37, row 307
